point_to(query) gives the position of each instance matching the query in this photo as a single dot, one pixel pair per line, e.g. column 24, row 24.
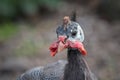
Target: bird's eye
column 74, row 33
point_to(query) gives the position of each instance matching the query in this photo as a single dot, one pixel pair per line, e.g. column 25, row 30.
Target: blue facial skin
column 72, row 30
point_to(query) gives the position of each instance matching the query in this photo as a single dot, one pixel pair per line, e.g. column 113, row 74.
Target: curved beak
column 58, row 46
column 61, row 46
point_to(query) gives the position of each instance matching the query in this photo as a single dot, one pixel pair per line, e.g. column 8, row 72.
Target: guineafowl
column 75, row 68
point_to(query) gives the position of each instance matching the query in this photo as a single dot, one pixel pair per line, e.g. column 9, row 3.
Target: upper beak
column 61, row 46
column 58, row 46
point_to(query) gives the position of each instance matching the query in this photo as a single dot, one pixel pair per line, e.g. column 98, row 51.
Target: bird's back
column 54, row 71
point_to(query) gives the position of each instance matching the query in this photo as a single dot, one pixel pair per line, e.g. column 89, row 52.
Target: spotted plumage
column 52, row 71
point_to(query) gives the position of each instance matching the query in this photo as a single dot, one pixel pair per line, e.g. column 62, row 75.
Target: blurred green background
column 27, row 28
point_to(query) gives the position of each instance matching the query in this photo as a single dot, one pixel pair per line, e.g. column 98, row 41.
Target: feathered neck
column 75, row 69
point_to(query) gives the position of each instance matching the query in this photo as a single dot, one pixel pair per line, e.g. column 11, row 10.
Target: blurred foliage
column 109, row 9
column 79, row 1
column 106, row 9
column 12, row 8
column 7, row 30
column 27, row 47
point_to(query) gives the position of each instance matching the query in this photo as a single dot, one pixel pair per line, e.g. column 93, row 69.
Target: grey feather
column 52, row 71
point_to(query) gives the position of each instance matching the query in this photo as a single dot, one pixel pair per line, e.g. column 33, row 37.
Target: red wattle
column 53, row 48
column 79, row 46
column 73, row 44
